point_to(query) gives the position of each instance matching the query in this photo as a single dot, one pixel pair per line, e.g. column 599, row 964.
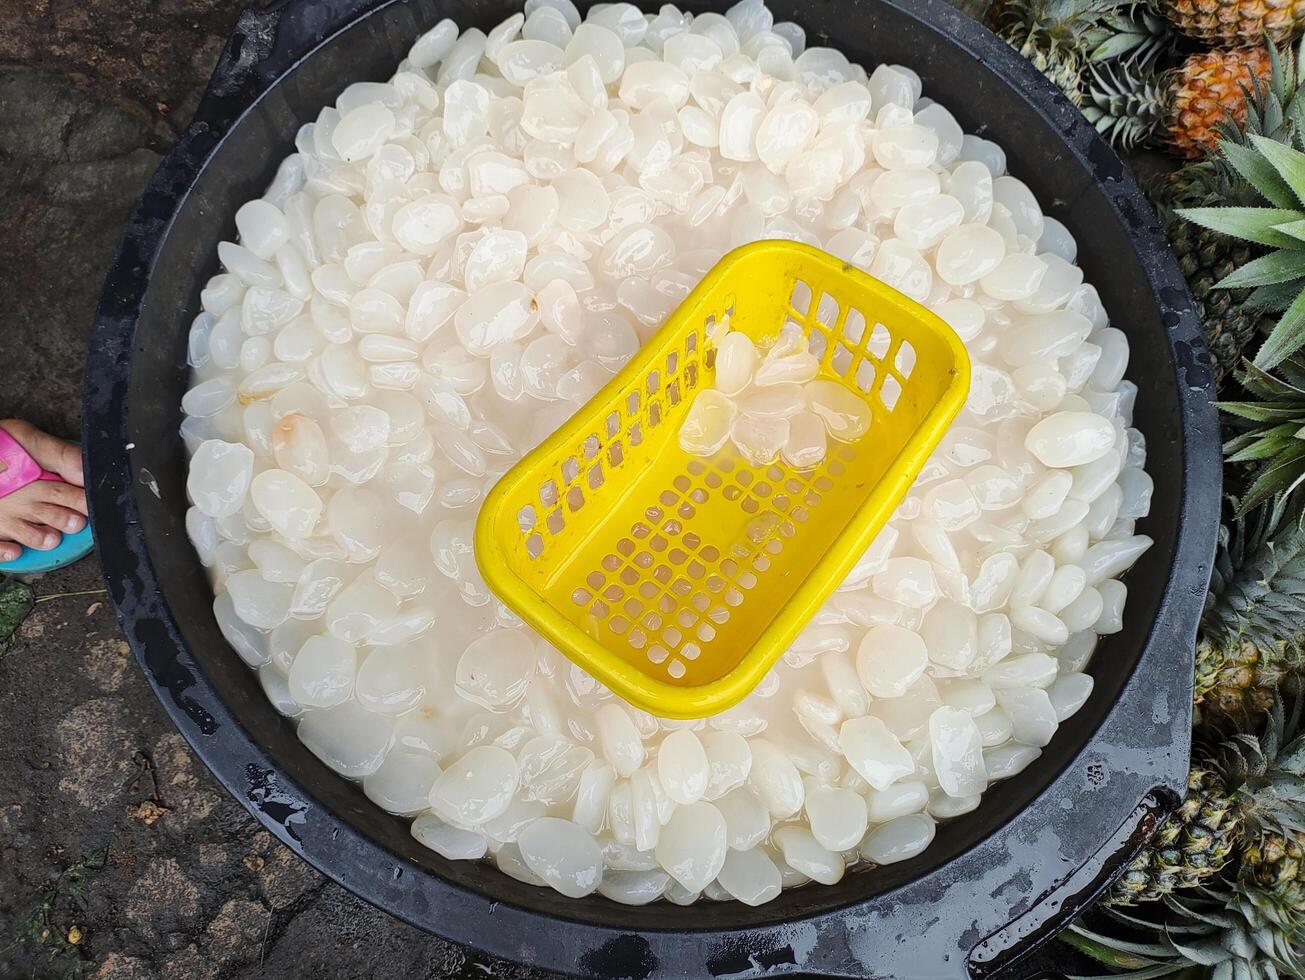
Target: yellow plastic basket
column 678, row 580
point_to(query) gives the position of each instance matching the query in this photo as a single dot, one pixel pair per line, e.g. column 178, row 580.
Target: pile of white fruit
column 455, row 260
column 771, row 405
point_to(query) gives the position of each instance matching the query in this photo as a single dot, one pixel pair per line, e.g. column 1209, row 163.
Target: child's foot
column 38, row 514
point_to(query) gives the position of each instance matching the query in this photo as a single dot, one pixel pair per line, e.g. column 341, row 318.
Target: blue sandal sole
column 72, row 548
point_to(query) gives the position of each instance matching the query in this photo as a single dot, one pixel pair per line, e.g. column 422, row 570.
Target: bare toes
column 63, row 495
column 30, row 535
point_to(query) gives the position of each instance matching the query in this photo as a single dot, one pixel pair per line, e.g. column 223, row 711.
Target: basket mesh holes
column 676, row 668
column 548, row 494
column 618, row 624
column 636, row 434
column 596, row 579
column 880, row 341
column 625, row 546
column 611, row 563
column 672, row 362
column 637, row 638
column 596, row 476
column 800, row 299
column 905, row 359
column 865, row 376
column 526, row 518
column 613, row 424
column 555, row 523
column 673, row 392
column 842, row 359
column 592, row 445
column 889, row 392
column 534, row 545
column 827, row 311
column 690, row 651
column 654, row 382
column 672, row 636
column 615, row 454
column 570, row 469
column 854, row 326
column 705, row 633
column 817, row 343
column 575, row 498
column 581, row 596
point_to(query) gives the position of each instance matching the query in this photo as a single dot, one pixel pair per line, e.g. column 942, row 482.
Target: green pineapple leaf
column 1281, row 479
column 1259, row 173
column 1284, row 265
column 1296, row 229
column 1274, row 298
column 1286, row 337
column 1290, row 163
column 1251, row 224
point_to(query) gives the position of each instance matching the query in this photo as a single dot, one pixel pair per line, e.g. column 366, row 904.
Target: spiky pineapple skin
column 1236, row 21
column 1207, row 88
column 1191, row 846
column 1273, row 877
column 1236, row 685
column 1063, row 69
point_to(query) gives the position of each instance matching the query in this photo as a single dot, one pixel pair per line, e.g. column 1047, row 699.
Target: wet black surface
column 179, row 880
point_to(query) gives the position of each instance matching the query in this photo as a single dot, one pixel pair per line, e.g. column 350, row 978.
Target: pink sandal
column 17, row 470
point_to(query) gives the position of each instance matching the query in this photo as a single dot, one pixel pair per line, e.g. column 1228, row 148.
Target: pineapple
column 1231, row 322
column 1233, row 792
column 1205, row 257
column 1254, row 620
column 1276, row 864
column 1235, row 22
column 1220, row 932
column 1182, row 108
column 1246, row 922
column 1191, row 846
column 1061, row 37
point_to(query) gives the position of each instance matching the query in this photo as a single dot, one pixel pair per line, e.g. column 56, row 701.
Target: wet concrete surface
column 120, row 856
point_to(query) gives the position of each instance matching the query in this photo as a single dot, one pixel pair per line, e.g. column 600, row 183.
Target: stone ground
column 120, row 856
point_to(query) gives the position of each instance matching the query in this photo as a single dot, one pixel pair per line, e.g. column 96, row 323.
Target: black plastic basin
column 995, row 882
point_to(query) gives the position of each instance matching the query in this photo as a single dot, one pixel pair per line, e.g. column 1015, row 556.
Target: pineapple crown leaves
column 1257, row 587
column 1270, row 428
column 1135, row 31
column 1263, row 163
column 1273, row 109
column 1128, row 106
column 1214, row 932
column 1269, row 772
